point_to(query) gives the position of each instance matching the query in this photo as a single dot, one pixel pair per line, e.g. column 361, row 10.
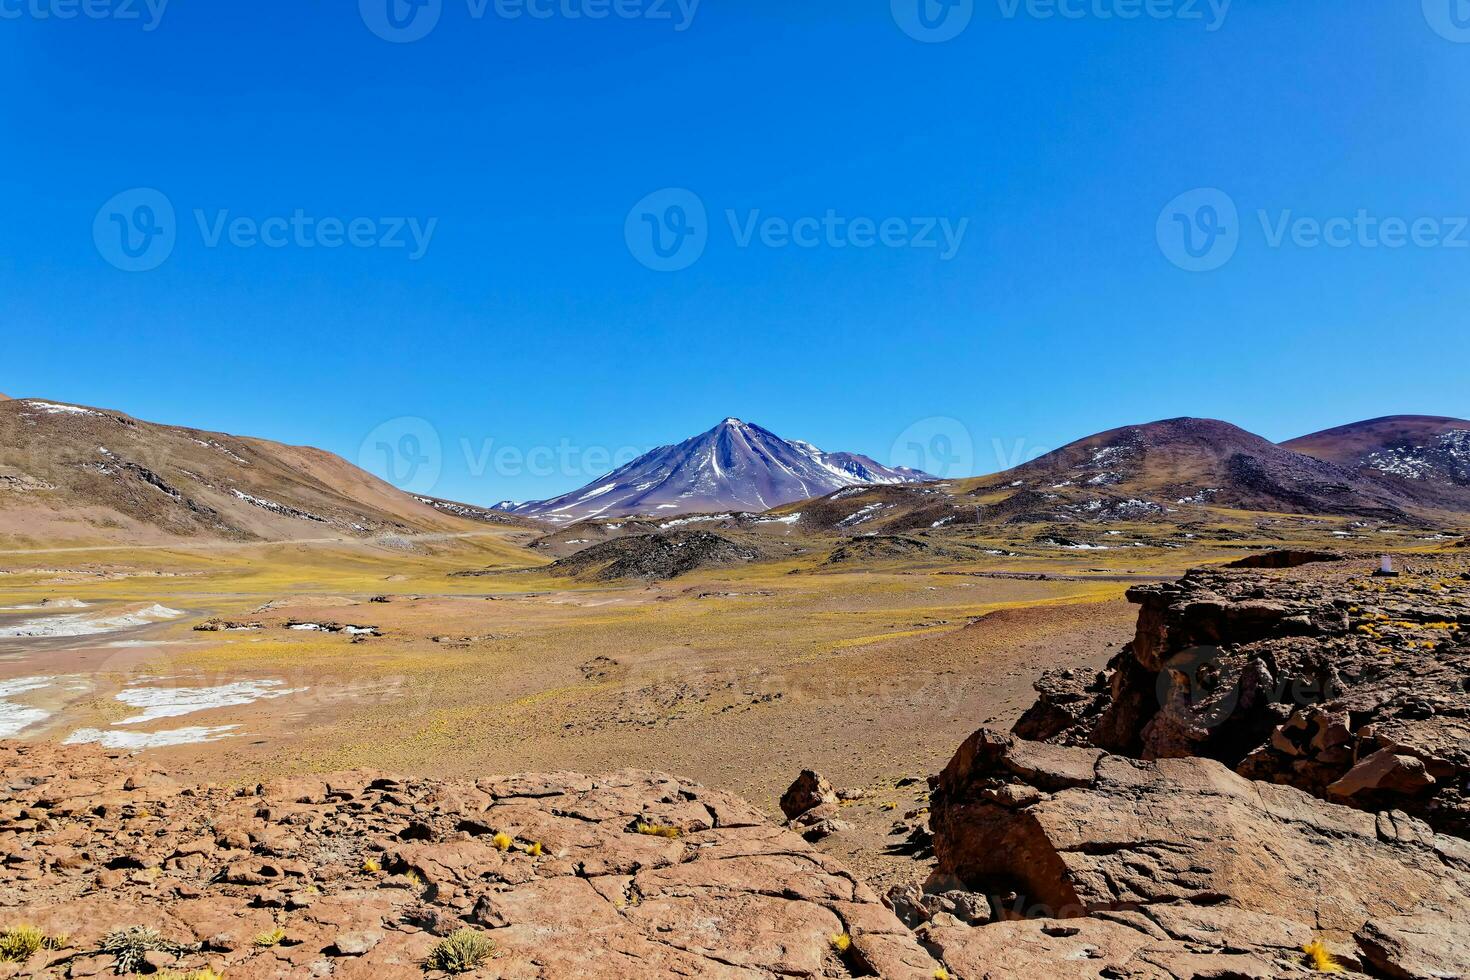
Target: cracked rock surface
column 637, row 874
column 1350, row 686
column 1106, row 866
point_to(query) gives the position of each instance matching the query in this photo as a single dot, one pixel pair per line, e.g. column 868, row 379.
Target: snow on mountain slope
column 734, row 466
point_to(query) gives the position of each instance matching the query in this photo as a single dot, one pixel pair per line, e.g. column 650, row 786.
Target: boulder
column 1317, row 676
column 1169, row 861
column 810, row 790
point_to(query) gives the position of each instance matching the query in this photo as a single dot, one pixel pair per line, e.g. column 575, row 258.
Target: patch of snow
column 52, row 408
column 696, row 519
column 149, row 740
column 173, row 702
column 865, row 514
column 82, row 624
column 598, row 492
column 16, row 718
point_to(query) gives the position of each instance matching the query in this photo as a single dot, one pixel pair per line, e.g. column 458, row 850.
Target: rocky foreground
column 360, row 875
column 1270, row 781
column 1332, row 677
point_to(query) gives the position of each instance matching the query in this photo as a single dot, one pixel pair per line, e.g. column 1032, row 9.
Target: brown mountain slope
column 1140, row 468
column 1161, row 471
column 1425, row 457
column 73, row 475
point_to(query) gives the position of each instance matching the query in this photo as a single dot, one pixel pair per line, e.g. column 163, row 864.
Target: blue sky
column 522, row 147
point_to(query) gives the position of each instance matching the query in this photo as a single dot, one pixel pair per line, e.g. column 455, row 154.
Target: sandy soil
column 738, row 679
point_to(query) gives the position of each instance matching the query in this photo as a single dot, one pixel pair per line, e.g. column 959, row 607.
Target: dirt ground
column 736, row 678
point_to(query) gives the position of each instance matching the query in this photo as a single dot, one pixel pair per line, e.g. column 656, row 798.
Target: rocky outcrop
column 360, row 875
column 654, row 556
column 1349, row 687
column 811, row 806
column 1105, row 866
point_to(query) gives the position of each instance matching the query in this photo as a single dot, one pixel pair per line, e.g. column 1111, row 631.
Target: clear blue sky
column 528, row 320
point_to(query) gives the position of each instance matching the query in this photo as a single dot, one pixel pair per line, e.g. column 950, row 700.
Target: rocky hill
column 654, row 556
column 1177, row 471
column 1424, row 457
column 1139, row 469
column 70, row 474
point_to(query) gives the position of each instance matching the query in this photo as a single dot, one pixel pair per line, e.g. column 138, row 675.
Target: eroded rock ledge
column 1350, row 686
column 637, row 874
column 1106, row 866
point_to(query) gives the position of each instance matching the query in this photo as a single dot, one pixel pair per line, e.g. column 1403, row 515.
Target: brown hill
column 1424, row 457
column 72, row 474
column 1142, row 469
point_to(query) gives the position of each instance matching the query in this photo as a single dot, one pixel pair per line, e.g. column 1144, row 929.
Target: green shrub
column 129, row 945
column 463, row 951
column 18, row 943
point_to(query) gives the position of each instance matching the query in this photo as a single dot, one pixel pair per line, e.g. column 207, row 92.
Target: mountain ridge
column 82, row 475
column 736, row 465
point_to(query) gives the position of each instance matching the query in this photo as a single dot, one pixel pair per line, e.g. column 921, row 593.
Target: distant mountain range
column 1403, row 469
column 72, row 475
column 734, row 466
